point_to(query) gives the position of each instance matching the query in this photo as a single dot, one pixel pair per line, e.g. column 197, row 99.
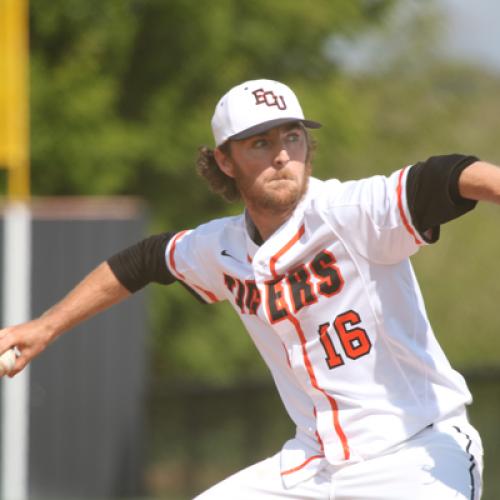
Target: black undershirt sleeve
column 433, row 195
column 143, row 263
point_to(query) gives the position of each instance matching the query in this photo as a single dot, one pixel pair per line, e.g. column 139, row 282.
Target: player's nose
column 282, row 157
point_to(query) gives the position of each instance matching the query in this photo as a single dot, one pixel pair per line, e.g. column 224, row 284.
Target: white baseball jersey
column 333, row 306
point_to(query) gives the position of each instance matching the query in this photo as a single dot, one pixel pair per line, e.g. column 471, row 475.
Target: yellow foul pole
column 16, row 272
column 14, row 100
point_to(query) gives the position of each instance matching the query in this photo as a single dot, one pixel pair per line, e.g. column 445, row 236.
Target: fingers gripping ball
column 7, row 362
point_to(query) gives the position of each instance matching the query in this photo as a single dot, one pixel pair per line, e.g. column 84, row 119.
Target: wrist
column 50, row 326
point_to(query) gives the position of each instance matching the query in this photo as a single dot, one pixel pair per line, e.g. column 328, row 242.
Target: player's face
column 270, row 169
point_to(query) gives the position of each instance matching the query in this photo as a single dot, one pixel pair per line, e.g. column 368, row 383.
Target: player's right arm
column 98, row 291
column 109, row 283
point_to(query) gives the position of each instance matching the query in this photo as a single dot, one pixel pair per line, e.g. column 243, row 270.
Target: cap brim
column 265, row 126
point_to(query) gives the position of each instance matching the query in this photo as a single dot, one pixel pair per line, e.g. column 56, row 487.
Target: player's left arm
column 445, row 187
column 480, row 181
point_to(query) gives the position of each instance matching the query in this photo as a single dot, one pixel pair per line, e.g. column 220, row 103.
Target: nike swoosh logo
column 225, row 253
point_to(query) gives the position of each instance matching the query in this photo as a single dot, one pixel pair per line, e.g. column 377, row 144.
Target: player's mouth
column 282, row 177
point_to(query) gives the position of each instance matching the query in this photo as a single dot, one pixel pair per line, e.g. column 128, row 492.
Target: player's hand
column 30, row 339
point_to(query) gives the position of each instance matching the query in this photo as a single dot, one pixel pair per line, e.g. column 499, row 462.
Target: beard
column 278, row 194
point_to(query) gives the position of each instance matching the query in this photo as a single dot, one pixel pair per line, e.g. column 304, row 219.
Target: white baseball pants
column 444, row 462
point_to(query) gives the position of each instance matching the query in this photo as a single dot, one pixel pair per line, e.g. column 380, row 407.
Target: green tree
column 443, row 108
column 417, row 103
column 122, row 94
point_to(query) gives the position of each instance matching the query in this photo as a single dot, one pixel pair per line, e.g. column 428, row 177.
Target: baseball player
column 319, row 273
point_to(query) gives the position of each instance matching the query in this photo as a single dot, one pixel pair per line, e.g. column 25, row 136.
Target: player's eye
column 259, row 143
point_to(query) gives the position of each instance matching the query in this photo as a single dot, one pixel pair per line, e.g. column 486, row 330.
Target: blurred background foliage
column 122, row 96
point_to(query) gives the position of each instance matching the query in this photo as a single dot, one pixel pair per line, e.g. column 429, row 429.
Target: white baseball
column 7, row 362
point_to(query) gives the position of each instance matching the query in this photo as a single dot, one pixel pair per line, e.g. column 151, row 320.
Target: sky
column 468, row 30
column 472, row 30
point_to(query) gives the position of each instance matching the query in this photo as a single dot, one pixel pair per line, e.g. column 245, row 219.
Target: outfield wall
column 87, row 390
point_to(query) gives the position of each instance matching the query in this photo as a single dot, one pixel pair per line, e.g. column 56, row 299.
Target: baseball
column 7, row 362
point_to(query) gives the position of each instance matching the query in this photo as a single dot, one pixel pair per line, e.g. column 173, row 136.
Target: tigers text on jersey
column 333, row 306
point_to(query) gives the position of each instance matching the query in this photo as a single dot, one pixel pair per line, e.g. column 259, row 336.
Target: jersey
column 333, row 306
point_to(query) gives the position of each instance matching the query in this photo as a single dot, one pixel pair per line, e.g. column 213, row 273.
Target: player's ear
column 224, row 161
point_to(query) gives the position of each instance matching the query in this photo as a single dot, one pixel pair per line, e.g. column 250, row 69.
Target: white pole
column 15, row 392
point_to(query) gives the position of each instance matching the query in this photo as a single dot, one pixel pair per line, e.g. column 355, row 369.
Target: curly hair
column 218, row 181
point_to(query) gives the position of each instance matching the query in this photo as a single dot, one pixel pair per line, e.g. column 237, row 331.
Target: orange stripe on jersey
column 314, row 382
column 171, row 260
column 301, row 466
column 320, row 441
column 307, row 361
column 210, row 295
column 275, row 257
column 287, row 356
column 401, row 208
column 318, row 437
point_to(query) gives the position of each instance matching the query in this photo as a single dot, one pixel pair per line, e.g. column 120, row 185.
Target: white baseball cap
column 254, row 107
